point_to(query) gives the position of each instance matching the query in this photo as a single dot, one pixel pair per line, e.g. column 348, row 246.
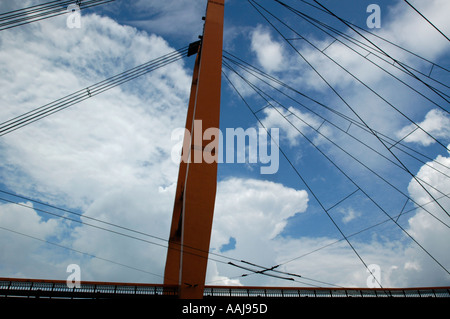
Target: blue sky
column 108, row 157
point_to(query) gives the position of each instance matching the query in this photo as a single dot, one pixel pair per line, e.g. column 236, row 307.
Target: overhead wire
column 19, row 17
column 58, row 105
column 252, row 70
column 378, row 37
column 291, row 274
column 254, row 5
column 359, row 232
column 83, row 216
column 102, row 229
column 263, row 271
column 321, row 26
column 258, row 73
column 432, row 24
column 342, row 171
column 298, row 173
column 228, row 260
column 80, row 252
column 80, row 215
column 378, row 47
column 85, row 223
column 90, row 255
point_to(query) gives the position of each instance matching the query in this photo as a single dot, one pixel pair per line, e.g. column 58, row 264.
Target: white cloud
column 146, row 209
column 255, row 213
column 427, row 230
column 349, row 214
column 268, row 51
column 295, row 123
column 24, row 256
column 262, row 204
column 114, row 139
column 214, row 278
column 408, row 29
column 109, row 156
column 436, row 123
column 180, row 18
column 26, row 220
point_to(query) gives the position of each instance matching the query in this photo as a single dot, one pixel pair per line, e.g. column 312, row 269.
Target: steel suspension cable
column 90, row 91
column 259, row 74
column 346, row 175
column 229, row 260
column 299, row 175
column 432, row 24
column 321, row 26
column 43, row 11
column 377, row 36
column 79, row 251
column 270, row 98
column 389, row 56
column 254, row 4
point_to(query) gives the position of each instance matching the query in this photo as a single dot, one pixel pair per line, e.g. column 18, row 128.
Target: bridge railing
column 289, row 292
column 53, row 288
column 60, row 289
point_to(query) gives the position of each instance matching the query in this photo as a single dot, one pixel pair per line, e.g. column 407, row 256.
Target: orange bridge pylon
column 192, row 219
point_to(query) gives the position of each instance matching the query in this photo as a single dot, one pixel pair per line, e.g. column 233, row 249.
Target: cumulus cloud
column 108, row 156
column 23, row 255
column 268, row 51
column 175, row 18
column 254, row 213
column 102, row 143
column 400, row 22
column 436, row 123
column 349, row 214
column 426, row 228
column 293, row 123
column 405, row 22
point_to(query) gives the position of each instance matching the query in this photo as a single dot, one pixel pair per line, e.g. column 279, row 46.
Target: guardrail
column 33, row 288
column 288, row 292
column 89, row 290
